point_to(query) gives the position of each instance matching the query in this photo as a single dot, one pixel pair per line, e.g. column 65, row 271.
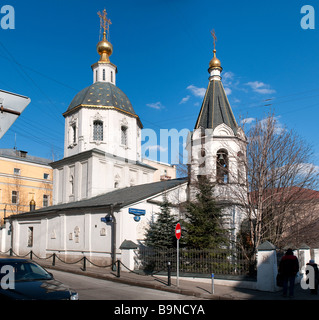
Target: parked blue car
column 23, row 279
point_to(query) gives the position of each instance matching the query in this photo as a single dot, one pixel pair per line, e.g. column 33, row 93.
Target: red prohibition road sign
column 178, row 231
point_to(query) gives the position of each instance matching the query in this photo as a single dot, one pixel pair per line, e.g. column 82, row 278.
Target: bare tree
column 279, row 175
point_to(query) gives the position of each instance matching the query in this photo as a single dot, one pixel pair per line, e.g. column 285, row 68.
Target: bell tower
column 217, row 146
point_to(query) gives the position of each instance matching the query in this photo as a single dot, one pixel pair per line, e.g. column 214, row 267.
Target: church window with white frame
column 98, row 130
column 124, row 135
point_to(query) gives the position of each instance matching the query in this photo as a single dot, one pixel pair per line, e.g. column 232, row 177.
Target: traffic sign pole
column 177, row 269
column 213, row 288
column 178, row 233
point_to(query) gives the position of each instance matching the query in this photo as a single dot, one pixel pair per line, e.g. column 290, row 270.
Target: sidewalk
column 186, row 287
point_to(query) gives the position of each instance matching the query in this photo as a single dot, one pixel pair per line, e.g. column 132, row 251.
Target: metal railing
column 54, row 256
column 114, row 267
column 217, row 261
column 151, row 262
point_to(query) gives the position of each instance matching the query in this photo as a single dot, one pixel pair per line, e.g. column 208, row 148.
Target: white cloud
column 247, row 120
column 157, row 147
column 198, row 92
column 185, row 99
column 228, row 91
column 260, row 87
column 228, row 76
column 157, row 105
column 306, row 168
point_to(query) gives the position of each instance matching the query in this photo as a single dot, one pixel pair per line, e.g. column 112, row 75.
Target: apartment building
column 23, row 178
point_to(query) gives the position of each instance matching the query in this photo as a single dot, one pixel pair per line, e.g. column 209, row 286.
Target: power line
column 31, row 79
column 36, row 139
column 42, row 74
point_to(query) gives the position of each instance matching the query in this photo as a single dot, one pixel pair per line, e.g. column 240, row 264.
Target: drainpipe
column 113, row 235
column 4, row 213
column 11, row 231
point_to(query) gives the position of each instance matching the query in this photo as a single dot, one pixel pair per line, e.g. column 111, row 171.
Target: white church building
column 103, row 193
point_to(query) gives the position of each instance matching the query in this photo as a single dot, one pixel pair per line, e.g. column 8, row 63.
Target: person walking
column 316, row 273
column 288, row 268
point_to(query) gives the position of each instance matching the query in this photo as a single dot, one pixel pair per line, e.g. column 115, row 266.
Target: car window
column 27, row 271
column 38, row 271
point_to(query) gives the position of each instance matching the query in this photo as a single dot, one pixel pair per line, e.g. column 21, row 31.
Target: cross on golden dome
column 104, row 47
column 214, row 37
column 105, row 23
column 214, row 63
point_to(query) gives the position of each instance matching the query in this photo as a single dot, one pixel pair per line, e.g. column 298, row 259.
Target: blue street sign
column 137, row 212
column 106, row 219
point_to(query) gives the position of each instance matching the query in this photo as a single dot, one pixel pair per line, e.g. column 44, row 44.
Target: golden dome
column 215, row 63
column 104, row 49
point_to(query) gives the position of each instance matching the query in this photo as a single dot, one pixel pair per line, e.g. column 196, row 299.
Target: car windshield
column 27, row 271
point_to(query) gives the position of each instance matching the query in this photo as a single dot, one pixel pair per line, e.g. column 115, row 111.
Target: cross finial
column 214, row 37
column 105, row 23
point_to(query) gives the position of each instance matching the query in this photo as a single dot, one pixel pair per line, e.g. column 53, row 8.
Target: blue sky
column 162, row 49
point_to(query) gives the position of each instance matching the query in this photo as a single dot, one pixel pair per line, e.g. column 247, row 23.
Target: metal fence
column 217, row 261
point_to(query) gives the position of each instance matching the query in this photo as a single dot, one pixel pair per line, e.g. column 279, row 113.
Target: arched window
column 124, row 135
column 222, row 170
column 98, row 130
column 112, row 76
column 104, row 74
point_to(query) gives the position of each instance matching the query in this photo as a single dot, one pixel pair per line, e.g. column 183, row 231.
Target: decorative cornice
column 103, row 107
column 98, row 107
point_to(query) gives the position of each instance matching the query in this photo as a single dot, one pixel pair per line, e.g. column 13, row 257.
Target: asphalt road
column 96, row 289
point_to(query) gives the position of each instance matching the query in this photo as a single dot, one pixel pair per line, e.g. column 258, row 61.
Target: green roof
column 216, row 109
column 102, row 95
column 120, row 197
column 128, row 244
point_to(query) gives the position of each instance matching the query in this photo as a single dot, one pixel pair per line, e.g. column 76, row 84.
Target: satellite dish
column 11, row 107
